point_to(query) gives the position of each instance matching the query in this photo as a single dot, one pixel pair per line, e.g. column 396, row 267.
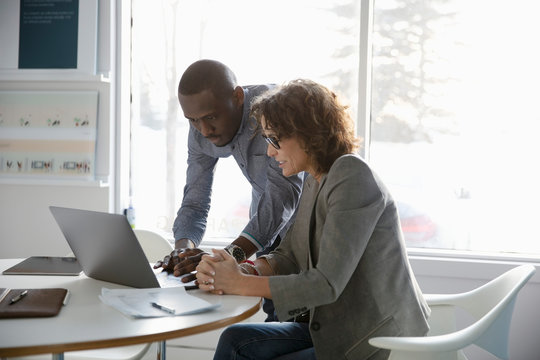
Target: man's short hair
column 207, row 75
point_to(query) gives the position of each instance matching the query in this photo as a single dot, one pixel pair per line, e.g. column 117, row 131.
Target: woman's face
column 291, row 157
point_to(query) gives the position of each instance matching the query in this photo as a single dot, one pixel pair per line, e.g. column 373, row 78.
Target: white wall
column 26, row 225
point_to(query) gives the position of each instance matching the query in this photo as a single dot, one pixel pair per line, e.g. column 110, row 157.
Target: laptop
column 107, row 248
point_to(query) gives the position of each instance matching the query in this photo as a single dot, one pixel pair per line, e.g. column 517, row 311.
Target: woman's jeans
column 264, row 341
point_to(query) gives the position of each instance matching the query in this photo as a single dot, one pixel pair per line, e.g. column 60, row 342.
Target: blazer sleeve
column 347, row 209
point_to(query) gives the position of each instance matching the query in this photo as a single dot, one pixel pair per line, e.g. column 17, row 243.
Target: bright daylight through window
column 453, row 121
column 262, row 42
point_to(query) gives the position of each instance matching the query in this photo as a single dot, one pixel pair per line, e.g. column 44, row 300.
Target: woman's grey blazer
column 344, row 259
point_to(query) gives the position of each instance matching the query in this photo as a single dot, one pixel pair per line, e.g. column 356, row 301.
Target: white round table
column 87, row 323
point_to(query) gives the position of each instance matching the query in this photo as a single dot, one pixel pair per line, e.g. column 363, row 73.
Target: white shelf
column 52, row 75
column 53, row 182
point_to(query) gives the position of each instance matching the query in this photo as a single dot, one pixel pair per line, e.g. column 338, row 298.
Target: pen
column 18, row 297
column 191, row 287
column 163, row 308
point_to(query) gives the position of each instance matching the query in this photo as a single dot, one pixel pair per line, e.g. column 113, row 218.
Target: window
column 262, row 42
column 455, row 121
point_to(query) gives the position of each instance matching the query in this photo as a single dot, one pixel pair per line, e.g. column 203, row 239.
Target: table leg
column 161, row 350
column 59, row 356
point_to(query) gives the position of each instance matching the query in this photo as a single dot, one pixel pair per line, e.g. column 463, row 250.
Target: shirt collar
column 245, row 117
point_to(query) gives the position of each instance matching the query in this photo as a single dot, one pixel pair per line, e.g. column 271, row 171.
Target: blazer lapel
column 312, row 219
column 302, row 224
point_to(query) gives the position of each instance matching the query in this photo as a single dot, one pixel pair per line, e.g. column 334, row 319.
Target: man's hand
column 168, row 261
column 189, row 259
column 185, row 260
column 180, row 262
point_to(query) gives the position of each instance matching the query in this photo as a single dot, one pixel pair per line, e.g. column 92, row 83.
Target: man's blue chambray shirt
column 274, row 197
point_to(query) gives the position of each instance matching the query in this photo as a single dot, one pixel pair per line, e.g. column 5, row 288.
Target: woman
column 341, row 275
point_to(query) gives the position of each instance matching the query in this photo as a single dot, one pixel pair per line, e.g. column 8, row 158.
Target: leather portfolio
column 20, row 303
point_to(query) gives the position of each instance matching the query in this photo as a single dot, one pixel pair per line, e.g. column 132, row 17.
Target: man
column 220, row 126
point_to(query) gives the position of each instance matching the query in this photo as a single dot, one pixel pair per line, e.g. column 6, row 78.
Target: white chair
column 155, row 247
column 491, row 305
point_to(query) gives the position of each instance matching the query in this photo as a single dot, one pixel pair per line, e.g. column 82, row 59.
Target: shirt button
column 315, row 326
column 242, row 165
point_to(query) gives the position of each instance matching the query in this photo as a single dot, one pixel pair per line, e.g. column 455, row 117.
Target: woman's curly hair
column 314, row 115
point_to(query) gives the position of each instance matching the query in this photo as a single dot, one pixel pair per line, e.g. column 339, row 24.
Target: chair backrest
column 154, row 245
column 493, row 303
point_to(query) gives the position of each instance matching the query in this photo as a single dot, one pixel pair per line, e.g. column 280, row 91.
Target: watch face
column 237, row 253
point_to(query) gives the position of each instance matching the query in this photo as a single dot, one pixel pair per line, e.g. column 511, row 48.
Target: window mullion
column 363, row 124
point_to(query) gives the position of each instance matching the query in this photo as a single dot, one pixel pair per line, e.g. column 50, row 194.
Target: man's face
column 217, row 119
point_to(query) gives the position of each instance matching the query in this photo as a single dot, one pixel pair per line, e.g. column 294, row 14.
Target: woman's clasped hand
column 218, row 272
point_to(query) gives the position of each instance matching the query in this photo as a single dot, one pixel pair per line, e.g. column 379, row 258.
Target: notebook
column 20, row 303
column 45, row 265
column 107, row 248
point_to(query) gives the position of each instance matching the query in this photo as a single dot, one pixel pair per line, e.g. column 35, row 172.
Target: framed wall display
column 48, row 134
column 48, row 36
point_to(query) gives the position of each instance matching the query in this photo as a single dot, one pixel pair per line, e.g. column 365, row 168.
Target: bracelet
column 251, row 265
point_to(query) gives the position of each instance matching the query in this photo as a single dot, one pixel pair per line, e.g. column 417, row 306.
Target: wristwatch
column 236, row 252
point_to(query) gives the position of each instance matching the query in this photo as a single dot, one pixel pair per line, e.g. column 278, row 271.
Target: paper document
column 142, row 303
column 166, row 279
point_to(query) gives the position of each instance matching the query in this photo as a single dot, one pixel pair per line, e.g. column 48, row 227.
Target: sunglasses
column 272, row 141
